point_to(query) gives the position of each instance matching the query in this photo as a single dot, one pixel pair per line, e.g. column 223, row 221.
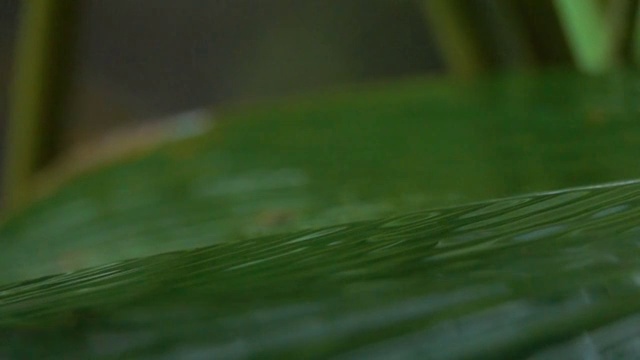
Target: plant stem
column 593, row 36
column 42, row 77
column 636, row 37
column 455, row 35
column 619, row 25
column 506, row 34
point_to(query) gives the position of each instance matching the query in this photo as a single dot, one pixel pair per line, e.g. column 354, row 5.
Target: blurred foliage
column 298, row 227
column 349, row 156
column 39, row 97
column 473, row 35
column 476, row 34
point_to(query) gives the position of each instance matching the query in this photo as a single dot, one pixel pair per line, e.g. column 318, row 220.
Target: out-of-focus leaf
column 326, row 160
column 299, row 229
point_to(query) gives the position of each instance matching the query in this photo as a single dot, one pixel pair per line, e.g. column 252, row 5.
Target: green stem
column 455, row 35
column 510, row 34
column 588, row 34
column 636, row 37
column 619, row 26
column 42, row 69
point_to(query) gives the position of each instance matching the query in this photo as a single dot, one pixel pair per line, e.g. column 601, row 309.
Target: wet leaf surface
column 301, row 230
column 554, row 273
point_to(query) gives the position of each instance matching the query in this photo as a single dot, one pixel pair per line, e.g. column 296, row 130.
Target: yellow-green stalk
column 455, row 36
column 41, row 79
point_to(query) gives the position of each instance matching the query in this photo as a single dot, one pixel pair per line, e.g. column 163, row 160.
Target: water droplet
column 541, row 233
column 316, row 234
column 610, row 211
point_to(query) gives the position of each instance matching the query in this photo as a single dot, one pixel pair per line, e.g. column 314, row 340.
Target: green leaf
column 505, row 278
column 596, row 33
column 300, row 229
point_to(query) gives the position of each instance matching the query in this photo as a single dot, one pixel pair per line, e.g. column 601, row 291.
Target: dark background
column 138, row 60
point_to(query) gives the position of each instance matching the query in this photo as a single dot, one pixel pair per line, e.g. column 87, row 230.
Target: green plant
column 38, row 97
column 356, row 223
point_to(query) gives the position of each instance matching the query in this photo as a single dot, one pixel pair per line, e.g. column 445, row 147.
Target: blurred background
column 136, row 61
column 73, row 71
column 139, row 60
